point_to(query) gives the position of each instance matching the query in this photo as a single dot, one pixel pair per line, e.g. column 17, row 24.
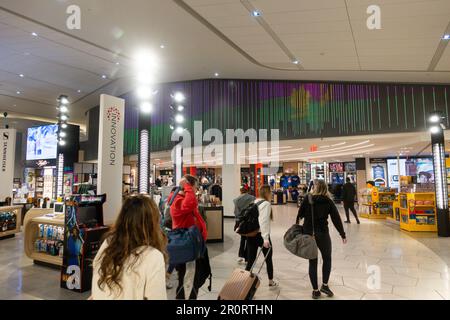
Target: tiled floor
column 410, row 266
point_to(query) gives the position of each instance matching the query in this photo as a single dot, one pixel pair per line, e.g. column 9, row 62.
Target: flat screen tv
column 42, row 142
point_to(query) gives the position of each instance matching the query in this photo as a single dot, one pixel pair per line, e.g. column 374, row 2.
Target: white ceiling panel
column 444, row 63
column 270, row 6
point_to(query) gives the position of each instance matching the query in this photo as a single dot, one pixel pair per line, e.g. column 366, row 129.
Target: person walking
column 262, row 238
column 185, row 214
column 240, row 203
column 131, row 262
column 348, row 197
column 322, row 207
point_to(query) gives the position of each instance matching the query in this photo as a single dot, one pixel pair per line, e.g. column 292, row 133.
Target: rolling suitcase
column 242, row 284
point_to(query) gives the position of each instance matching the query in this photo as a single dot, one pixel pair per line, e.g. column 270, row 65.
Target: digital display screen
column 59, row 208
column 42, row 142
column 86, row 214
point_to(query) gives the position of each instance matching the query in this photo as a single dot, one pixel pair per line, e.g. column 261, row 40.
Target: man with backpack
column 240, row 204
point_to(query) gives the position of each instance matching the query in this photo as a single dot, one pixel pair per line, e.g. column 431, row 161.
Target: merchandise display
column 417, row 211
column 377, row 203
column 43, row 236
column 10, row 221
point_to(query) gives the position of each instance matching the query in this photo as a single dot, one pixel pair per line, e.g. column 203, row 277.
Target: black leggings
column 323, row 241
column 253, row 244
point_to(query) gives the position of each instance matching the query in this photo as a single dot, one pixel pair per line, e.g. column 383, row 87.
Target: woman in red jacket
column 185, row 214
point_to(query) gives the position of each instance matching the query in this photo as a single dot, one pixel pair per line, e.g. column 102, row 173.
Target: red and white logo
column 113, row 113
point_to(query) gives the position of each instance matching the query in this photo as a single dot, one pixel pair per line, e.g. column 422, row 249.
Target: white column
column 8, row 154
column 231, row 182
column 110, row 155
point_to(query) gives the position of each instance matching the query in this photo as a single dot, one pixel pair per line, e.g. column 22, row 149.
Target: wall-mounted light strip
column 143, row 161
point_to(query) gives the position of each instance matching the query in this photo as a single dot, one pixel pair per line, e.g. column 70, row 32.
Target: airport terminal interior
column 268, row 98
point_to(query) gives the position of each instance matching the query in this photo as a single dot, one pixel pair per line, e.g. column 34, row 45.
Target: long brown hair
column 136, row 226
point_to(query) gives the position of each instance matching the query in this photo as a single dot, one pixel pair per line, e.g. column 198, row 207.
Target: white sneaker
column 241, row 260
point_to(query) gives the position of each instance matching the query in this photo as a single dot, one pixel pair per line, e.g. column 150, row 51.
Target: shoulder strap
column 260, row 202
column 311, row 203
column 173, row 196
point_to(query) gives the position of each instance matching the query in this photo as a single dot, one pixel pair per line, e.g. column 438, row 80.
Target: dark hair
column 348, row 179
column 191, row 179
column 136, row 226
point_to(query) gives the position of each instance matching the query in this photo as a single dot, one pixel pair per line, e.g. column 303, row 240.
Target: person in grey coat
column 240, row 203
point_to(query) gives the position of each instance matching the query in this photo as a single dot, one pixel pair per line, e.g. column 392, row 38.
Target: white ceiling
column 329, row 37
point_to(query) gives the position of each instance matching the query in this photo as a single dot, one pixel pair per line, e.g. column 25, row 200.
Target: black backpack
column 248, row 223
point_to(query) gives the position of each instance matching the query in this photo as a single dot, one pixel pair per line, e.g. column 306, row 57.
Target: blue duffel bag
column 185, row 245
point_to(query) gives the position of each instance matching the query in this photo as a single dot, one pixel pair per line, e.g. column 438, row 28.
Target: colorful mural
column 297, row 109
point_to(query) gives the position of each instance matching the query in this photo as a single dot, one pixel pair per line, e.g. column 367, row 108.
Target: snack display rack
column 418, row 211
column 10, row 221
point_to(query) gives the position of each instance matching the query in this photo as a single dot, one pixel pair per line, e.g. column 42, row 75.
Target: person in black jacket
column 323, row 206
column 348, row 197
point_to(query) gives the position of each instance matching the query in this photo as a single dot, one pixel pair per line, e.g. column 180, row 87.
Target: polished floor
column 378, row 262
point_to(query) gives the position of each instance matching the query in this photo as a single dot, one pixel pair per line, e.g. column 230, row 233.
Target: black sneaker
column 359, row 222
column 325, row 289
column 347, row 221
column 316, row 294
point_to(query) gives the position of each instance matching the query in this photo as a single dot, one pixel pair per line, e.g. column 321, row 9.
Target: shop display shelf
column 46, row 258
column 17, row 210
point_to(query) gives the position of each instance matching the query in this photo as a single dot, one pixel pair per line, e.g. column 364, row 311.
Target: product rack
column 10, row 221
column 418, row 211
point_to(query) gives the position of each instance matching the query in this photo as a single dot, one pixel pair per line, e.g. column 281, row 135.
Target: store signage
column 377, row 160
column 8, row 145
column 110, row 154
column 42, row 163
column 313, row 148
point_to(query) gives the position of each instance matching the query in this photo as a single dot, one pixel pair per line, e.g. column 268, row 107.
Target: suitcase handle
column 256, row 260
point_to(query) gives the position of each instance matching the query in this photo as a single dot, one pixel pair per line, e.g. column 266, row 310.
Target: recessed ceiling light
column 162, row 46
column 18, row 92
column 21, row 75
column 216, row 74
column 34, row 34
column 104, row 77
column 117, row 63
column 446, row 37
column 79, row 91
column 256, row 13
column 295, row 61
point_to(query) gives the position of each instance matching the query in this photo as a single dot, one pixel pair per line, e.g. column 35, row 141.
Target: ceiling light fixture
column 64, row 125
column 295, row 61
column 162, row 46
column 64, row 109
column 179, row 130
column 62, row 143
column 179, row 97
column 216, row 74
column 446, row 37
column 104, row 76
column 144, row 92
column 79, row 91
column 21, row 75
column 63, row 100
column 34, row 34
column 64, row 117
column 146, row 107
column 256, row 13
column 179, row 118
column 18, row 92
